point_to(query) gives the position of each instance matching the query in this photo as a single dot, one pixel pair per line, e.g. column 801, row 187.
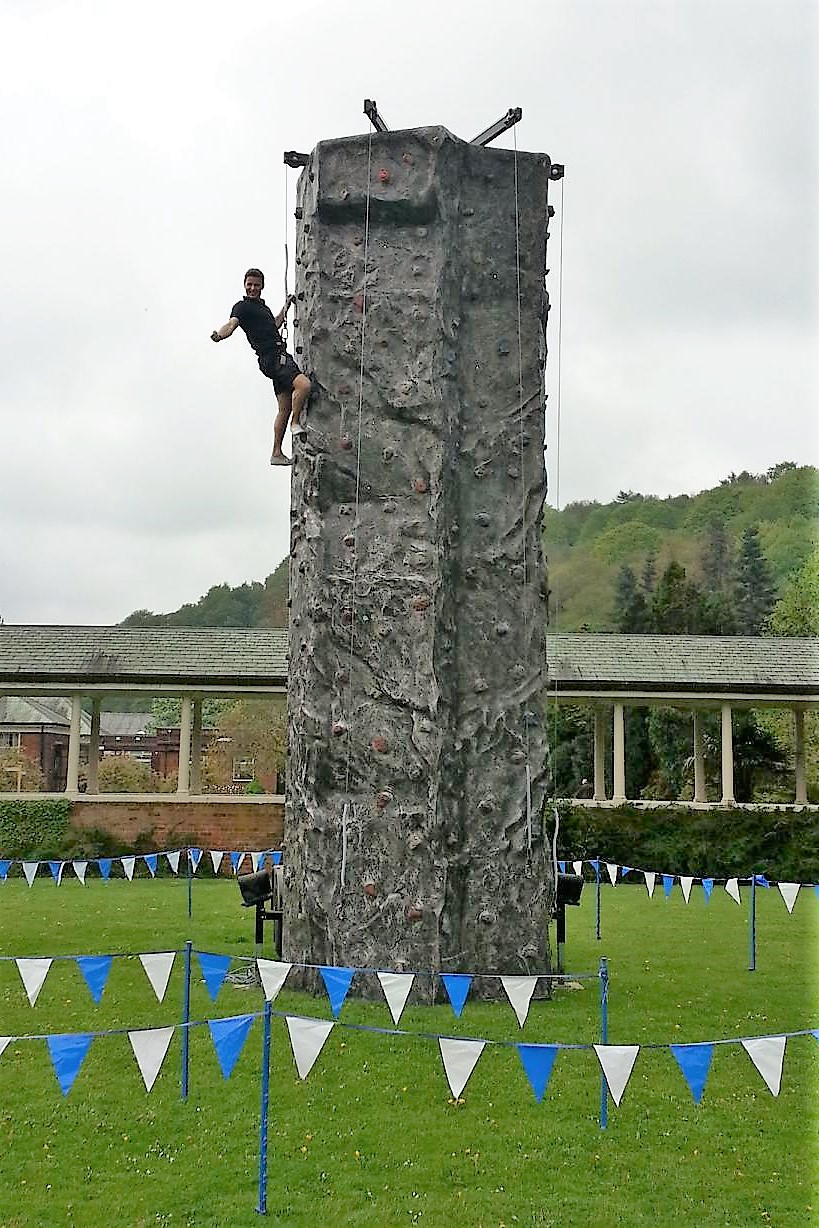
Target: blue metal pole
column 752, row 964
column 186, row 1018
column 597, row 882
column 190, row 882
column 604, row 1037
column 262, row 1207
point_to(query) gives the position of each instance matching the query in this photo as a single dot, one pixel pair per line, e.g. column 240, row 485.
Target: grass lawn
column 372, row 1137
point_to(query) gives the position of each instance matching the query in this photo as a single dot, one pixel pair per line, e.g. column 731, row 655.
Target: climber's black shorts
column 281, row 368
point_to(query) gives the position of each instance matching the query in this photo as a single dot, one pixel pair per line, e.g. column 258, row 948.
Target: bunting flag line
column 537, row 1061
column 519, row 990
column 460, row 1058
column 307, row 1037
column 229, row 1036
column 150, row 1045
column 33, row 973
column 767, row 1053
column 272, row 974
column 396, row 987
column 158, row 965
column 617, row 1063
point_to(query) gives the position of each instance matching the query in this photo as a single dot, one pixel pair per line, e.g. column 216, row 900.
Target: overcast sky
column 141, row 173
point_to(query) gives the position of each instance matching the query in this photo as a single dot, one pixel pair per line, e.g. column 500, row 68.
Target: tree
column 797, row 611
column 754, row 592
column 18, row 773
column 649, row 576
column 676, row 604
column 630, row 609
column 249, row 729
column 716, row 557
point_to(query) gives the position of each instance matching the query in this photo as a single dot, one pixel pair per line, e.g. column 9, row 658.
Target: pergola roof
column 38, row 660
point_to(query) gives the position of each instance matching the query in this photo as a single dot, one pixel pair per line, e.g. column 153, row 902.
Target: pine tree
column 630, row 610
column 754, row 592
column 649, row 577
column 676, row 604
column 716, row 557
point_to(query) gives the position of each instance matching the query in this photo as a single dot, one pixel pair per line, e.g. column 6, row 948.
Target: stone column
column 728, row 798
column 599, row 754
column 417, row 754
column 619, row 752
column 184, row 779
column 72, row 783
column 700, row 794
column 94, row 747
column 801, row 798
column 196, row 748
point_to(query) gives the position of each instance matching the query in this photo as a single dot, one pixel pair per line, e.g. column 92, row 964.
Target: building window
column 10, row 741
column 244, row 770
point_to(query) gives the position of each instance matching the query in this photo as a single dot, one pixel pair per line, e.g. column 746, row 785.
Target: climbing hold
column 470, row 573
column 349, row 539
column 407, row 159
column 468, row 212
column 387, row 455
column 420, row 603
column 379, row 744
column 502, row 629
column 486, row 805
column 483, row 519
column 481, row 470
column 420, row 486
column 518, row 755
column 383, row 176
column 344, row 390
column 518, row 670
column 346, row 615
column 345, row 443
column 481, row 685
column 358, row 303
column 369, row 889
column 299, row 213
column 513, row 472
column 339, row 728
column 357, row 241
column 486, row 917
column 344, row 509
column 503, row 347
column 383, row 799
column 389, row 507
column 516, row 572
column 413, row 913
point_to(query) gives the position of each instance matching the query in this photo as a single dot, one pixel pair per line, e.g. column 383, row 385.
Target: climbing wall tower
column 417, row 746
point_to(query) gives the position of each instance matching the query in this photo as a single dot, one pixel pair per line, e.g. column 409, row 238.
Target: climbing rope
column 283, row 329
column 347, row 806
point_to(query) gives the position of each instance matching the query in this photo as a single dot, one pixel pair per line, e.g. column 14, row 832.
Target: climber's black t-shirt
column 258, row 324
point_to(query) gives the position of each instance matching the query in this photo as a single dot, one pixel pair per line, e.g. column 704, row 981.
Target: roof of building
column 125, row 724
column 246, row 658
column 108, row 656
column 693, row 663
column 31, row 710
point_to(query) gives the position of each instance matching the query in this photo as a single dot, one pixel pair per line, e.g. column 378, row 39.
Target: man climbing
column 261, row 328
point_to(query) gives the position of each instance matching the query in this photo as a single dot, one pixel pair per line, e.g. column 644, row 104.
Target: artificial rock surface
column 417, row 579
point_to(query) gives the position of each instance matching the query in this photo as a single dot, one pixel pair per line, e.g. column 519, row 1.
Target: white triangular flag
column 273, row 975
column 173, row 861
column 577, row 866
column 307, row 1037
column 789, row 892
column 685, row 883
column 158, row 965
column 33, row 973
column 79, row 869
column 216, row 857
column 767, row 1054
column 617, row 1062
column 460, row 1058
column 256, row 861
column 150, row 1047
column 612, row 874
column 4, row 1041
column 30, row 869
column 128, row 864
column 519, row 990
column 732, row 887
column 651, row 878
column 396, row 986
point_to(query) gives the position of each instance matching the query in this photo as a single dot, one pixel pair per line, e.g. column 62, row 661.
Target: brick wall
column 230, row 823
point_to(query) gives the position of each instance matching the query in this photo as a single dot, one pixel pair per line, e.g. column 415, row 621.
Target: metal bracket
column 295, row 159
column 557, row 170
column 512, row 117
column 372, row 113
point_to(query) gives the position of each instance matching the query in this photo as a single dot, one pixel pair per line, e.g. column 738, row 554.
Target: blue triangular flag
column 561, row 865
column 595, row 865
column 816, row 1033
column 195, row 856
column 538, row 1061
column 277, row 858
column 4, row 869
column 761, row 880
column 457, row 986
column 337, row 982
column 624, row 870
column 708, row 887
column 235, row 858
column 214, row 970
column 56, row 868
column 695, row 1062
column 151, row 860
column 105, row 864
column 668, row 883
column 229, row 1035
column 67, row 1055
column 95, row 969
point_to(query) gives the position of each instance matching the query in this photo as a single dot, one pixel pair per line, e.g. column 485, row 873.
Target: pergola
column 607, row 672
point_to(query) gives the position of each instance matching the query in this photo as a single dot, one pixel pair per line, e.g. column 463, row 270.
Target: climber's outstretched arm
column 227, row 330
column 291, row 298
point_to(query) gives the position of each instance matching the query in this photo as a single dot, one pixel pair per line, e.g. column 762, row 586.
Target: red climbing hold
column 383, row 800
column 358, row 302
column 413, row 914
column 419, row 486
column 420, row 603
column 345, row 443
column 338, row 729
column 369, row 889
column 383, row 176
column 379, row 743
